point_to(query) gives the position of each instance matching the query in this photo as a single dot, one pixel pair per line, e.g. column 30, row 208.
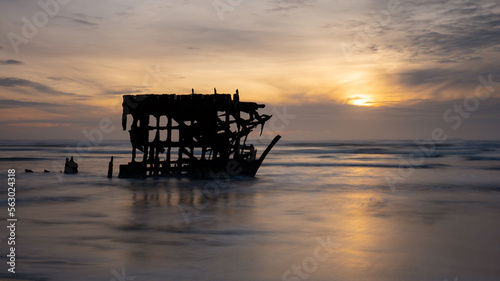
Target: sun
column 360, row 101
column 363, row 102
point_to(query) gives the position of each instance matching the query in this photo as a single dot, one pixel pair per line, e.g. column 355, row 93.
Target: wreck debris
column 110, row 168
column 194, row 135
column 70, row 167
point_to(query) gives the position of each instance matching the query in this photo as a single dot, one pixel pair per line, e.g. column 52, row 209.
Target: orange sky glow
column 341, row 66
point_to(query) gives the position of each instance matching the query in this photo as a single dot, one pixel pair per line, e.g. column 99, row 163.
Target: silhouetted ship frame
column 201, row 135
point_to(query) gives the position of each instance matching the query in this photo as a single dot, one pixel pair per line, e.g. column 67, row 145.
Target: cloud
column 444, row 83
column 82, row 15
column 432, row 31
column 431, row 76
column 288, row 5
column 16, row 104
column 82, row 19
column 273, row 50
column 123, row 92
column 56, row 78
column 458, row 43
column 37, row 124
column 440, row 46
column 41, row 88
column 415, row 121
column 120, row 90
column 10, row 62
column 84, row 22
column 446, row 31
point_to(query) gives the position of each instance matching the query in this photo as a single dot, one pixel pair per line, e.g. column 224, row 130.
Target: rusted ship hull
column 192, row 135
column 202, row 169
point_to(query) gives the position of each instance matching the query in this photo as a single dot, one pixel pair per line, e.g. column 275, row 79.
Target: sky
column 327, row 70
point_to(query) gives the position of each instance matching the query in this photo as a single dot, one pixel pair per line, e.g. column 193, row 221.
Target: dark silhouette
column 28, row 171
column 110, row 168
column 70, row 167
column 46, row 171
column 201, row 136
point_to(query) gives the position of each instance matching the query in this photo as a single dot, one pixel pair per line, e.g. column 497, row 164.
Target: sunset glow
column 303, row 54
column 361, row 101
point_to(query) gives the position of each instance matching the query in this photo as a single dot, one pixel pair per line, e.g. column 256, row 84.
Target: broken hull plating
column 192, row 135
column 202, row 169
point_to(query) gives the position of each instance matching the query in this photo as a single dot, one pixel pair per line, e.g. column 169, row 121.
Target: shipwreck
column 196, row 135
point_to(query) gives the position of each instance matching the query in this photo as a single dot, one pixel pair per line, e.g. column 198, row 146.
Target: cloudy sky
column 344, row 69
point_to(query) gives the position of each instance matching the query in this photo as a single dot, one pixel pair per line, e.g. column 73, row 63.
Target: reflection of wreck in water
column 195, row 135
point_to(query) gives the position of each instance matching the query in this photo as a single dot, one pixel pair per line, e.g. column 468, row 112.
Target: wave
column 404, row 144
column 368, row 165
column 482, row 158
column 365, row 151
column 493, row 168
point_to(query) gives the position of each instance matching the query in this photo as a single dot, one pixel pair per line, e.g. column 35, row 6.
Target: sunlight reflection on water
column 440, row 223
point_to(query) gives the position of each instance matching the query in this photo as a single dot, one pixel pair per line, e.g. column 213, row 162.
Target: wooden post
column 157, row 147
column 110, row 168
column 169, row 142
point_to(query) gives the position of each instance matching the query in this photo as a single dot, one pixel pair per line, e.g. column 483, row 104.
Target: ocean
column 339, row 210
